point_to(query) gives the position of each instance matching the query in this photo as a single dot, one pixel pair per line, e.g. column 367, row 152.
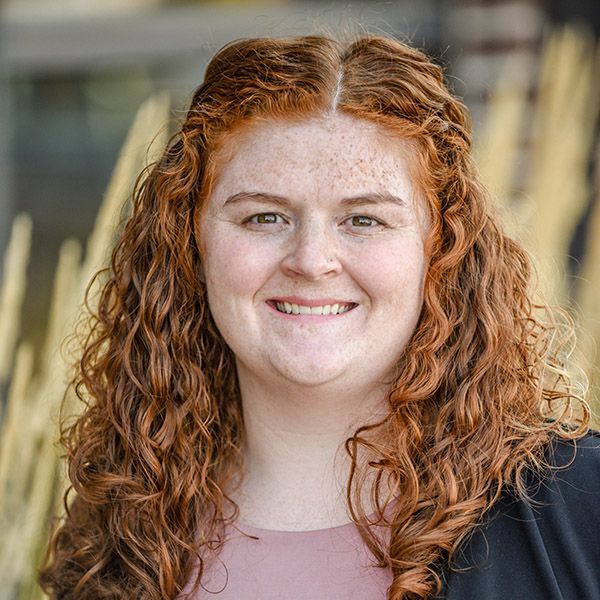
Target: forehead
column 335, row 154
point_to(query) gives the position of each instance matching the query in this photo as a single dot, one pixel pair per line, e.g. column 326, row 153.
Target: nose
column 313, row 254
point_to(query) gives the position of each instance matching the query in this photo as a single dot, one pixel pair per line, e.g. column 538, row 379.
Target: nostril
column 311, row 263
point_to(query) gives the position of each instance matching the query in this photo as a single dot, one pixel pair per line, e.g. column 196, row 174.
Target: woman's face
column 313, row 241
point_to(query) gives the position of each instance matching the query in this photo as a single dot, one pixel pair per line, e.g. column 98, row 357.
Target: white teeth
column 299, row 309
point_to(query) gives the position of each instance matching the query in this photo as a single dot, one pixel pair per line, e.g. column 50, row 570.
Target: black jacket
column 548, row 549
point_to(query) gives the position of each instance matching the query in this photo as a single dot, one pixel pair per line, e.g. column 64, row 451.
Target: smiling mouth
column 290, row 308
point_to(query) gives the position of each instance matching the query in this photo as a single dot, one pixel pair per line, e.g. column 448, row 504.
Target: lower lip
column 311, row 318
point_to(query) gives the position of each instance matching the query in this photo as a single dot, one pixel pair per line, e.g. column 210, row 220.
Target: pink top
column 331, row 563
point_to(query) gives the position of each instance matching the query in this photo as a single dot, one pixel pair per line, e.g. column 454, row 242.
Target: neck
column 295, row 465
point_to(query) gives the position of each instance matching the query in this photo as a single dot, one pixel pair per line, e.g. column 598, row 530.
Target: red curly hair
column 479, row 392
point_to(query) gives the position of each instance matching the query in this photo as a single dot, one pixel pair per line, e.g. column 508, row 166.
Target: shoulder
column 576, row 455
column 545, row 547
column 573, row 478
column 565, row 497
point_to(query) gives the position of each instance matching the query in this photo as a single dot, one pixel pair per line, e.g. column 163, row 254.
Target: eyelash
column 250, row 220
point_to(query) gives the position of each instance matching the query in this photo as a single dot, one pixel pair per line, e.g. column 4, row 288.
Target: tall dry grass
column 32, row 478
column 534, row 155
column 542, row 204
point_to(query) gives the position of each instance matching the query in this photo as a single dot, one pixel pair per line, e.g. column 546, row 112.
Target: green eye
column 265, row 219
column 363, row 221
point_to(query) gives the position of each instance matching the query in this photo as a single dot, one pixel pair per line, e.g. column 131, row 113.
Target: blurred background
column 74, row 74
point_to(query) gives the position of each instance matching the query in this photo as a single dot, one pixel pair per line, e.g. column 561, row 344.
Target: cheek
column 235, row 266
column 393, row 273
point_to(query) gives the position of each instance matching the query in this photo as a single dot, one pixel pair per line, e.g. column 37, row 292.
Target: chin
column 311, row 376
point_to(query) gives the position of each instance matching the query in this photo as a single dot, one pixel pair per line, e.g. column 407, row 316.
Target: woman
column 316, row 348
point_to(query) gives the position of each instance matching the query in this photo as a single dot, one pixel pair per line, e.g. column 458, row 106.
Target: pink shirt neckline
column 257, row 563
column 264, row 530
column 267, row 531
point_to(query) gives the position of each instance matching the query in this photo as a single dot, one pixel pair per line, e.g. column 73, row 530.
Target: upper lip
column 310, row 301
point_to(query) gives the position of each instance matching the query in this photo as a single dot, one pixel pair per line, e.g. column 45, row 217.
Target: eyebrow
column 358, row 200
